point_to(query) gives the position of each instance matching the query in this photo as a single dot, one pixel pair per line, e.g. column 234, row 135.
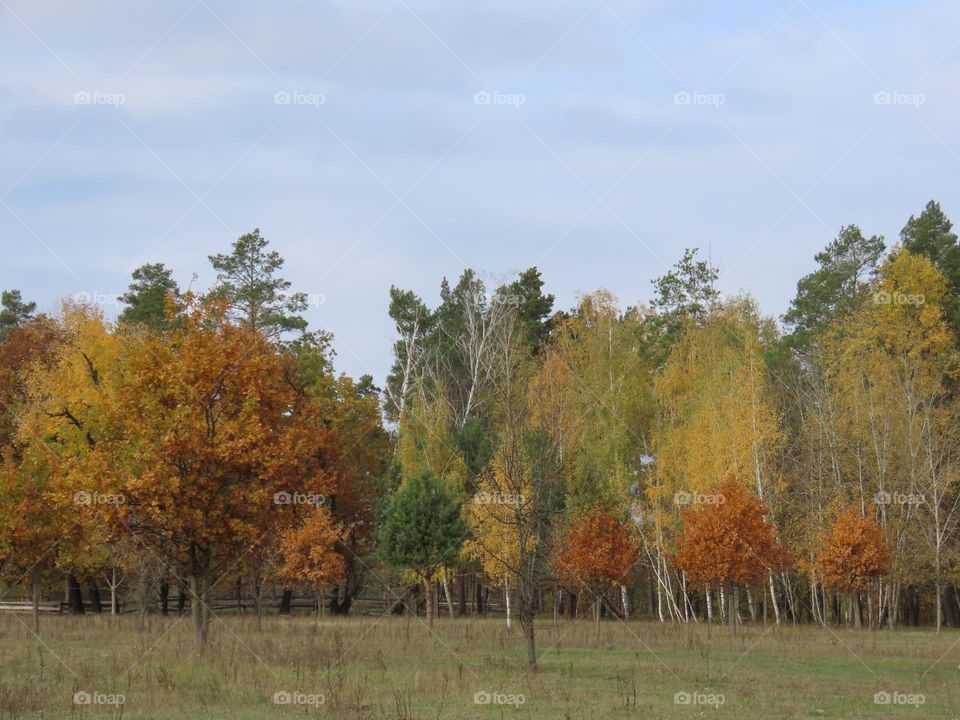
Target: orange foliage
column 310, row 552
column 598, row 550
column 852, row 551
column 729, row 541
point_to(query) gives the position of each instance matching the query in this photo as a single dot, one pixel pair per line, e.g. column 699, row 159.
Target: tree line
column 690, row 459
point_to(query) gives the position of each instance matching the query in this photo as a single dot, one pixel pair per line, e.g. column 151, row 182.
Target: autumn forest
column 688, row 460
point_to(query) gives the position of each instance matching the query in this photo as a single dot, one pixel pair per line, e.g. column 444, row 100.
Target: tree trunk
column 939, row 590
column 199, row 589
column 114, row 608
column 36, row 603
column 506, row 597
column 181, row 599
column 95, row 605
column 74, row 595
column 462, row 592
column 286, row 602
column 596, row 618
column 164, row 597
column 732, row 611
column 428, row 589
column 446, row 592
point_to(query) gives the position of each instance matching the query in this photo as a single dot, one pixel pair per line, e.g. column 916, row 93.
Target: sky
column 379, row 143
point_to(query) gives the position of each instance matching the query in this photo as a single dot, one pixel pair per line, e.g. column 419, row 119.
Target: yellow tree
column 66, row 433
column 717, row 417
column 896, row 360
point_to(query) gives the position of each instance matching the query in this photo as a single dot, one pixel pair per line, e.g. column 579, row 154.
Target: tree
column 256, row 297
column 310, row 552
column 597, row 552
column 852, row 552
column 931, row 234
column 54, row 468
column 30, row 344
column 413, row 322
column 685, row 294
column 729, row 542
column 532, row 306
column 836, row 287
column 894, row 363
column 147, row 297
column 422, row 531
column 15, row 312
column 217, row 428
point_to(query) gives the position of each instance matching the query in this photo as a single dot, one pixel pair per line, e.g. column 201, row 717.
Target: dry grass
column 369, row 667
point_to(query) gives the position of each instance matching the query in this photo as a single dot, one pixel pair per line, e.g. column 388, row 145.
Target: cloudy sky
column 396, row 142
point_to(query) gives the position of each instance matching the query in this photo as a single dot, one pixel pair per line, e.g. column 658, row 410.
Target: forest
column 686, row 460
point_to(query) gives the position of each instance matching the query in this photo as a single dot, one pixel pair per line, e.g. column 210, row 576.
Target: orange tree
column 729, row 543
column 216, row 430
column 852, row 552
column 310, row 554
column 598, row 552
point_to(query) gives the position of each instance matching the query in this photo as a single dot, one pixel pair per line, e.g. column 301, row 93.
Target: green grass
column 390, row 667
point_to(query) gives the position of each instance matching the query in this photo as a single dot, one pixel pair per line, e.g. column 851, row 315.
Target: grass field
column 392, row 667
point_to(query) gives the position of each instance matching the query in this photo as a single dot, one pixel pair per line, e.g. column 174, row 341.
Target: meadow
column 394, row 667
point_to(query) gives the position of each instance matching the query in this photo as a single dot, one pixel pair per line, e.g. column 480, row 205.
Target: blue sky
column 608, row 135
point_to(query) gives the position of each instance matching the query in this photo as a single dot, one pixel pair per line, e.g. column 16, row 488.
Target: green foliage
column 686, row 292
column 14, row 311
column 533, row 307
column 423, row 529
column 247, row 281
column 931, row 234
column 146, row 298
column 835, row 288
column 477, row 449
